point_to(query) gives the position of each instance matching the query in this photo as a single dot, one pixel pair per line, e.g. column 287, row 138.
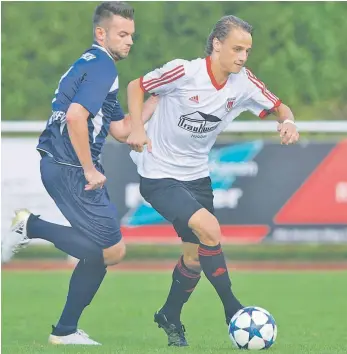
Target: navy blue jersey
column 92, row 81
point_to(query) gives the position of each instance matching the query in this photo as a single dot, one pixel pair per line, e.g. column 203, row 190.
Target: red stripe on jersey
column 141, row 84
column 269, row 95
column 263, row 90
column 167, row 80
column 266, row 112
column 163, row 76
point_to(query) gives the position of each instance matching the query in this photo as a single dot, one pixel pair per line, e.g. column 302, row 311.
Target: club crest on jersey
column 229, row 104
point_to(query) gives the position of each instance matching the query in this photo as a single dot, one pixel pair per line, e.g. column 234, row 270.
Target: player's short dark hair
column 222, row 28
column 109, row 8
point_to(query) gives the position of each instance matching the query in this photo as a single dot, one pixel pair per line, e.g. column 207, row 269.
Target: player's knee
column 114, row 254
column 191, row 256
column 192, row 262
column 206, row 226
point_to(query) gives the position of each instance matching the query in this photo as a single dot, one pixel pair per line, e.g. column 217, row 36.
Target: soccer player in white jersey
column 198, row 100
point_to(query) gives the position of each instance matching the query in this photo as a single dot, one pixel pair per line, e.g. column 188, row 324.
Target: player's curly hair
column 109, row 8
column 223, row 27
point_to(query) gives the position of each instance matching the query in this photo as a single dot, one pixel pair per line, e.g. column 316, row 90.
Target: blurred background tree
column 299, row 49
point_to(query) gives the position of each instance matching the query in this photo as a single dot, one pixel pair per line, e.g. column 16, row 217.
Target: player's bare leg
column 185, row 277
column 212, row 261
column 114, row 254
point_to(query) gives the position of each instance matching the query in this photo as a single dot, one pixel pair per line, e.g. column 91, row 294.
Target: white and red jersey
column 192, row 110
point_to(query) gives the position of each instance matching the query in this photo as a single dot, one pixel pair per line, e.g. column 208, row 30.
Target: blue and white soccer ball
column 253, row 328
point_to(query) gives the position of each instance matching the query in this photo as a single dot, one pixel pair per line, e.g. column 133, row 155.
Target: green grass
column 310, row 310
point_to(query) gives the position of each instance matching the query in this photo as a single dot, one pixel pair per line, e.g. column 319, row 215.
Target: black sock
column 213, row 264
column 64, row 238
column 85, row 282
column 184, row 280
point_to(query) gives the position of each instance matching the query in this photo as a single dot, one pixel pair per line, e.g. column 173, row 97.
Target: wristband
column 288, row 121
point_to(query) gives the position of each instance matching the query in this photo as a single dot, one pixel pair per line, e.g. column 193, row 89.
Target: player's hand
column 137, row 139
column 95, row 179
column 288, row 133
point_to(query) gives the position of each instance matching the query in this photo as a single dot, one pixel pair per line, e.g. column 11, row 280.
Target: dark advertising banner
column 263, row 191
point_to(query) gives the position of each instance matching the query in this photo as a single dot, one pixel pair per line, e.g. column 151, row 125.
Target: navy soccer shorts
column 177, row 201
column 89, row 212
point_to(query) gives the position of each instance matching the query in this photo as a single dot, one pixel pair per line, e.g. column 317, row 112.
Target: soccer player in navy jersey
column 85, row 109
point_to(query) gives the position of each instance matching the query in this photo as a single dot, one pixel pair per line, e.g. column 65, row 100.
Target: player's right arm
column 161, row 81
column 76, row 121
column 96, row 82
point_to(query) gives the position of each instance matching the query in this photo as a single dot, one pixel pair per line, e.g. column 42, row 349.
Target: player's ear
column 99, row 33
column 216, row 44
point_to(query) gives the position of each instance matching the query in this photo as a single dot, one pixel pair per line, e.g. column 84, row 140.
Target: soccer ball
column 253, row 328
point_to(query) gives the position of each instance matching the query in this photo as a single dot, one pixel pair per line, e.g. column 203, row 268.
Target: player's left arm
column 121, row 129
column 263, row 102
column 287, row 128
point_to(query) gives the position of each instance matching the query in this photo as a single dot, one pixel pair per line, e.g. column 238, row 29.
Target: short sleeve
column 118, row 113
column 261, row 101
column 166, row 79
column 97, row 79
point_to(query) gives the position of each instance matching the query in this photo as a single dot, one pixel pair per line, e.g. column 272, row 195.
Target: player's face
column 118, row 38
column 234, row 50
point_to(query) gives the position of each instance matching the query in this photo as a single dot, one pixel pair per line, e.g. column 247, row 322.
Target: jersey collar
column 97, row 45
column 210, row 74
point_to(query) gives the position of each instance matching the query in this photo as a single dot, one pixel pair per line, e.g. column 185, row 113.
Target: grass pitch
column 310, row 309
